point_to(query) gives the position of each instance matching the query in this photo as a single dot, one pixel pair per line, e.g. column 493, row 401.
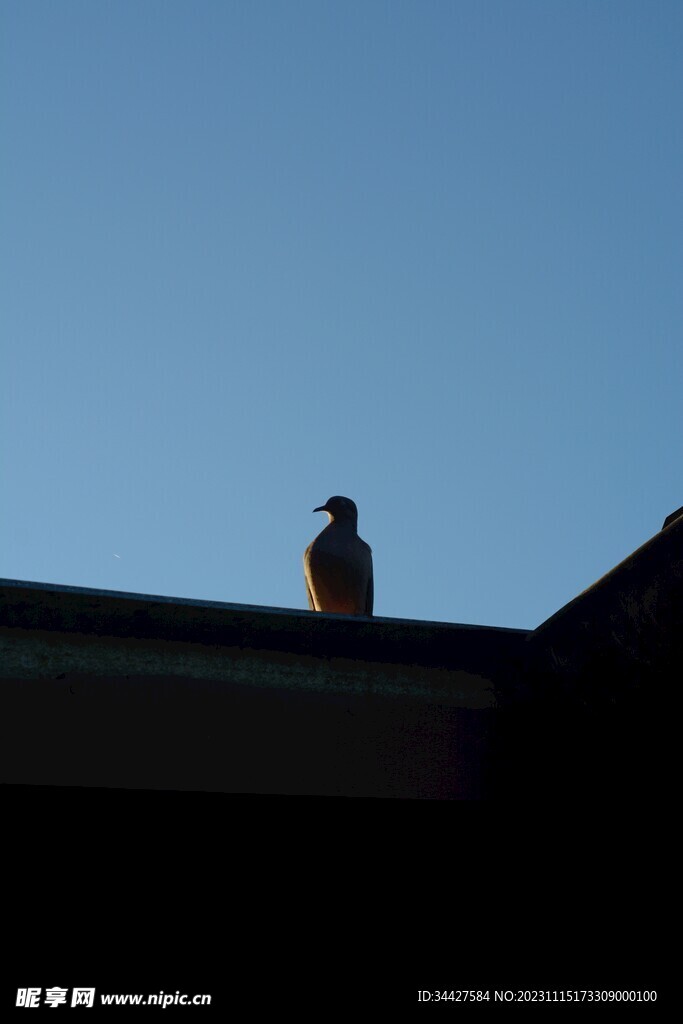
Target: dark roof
column 51, row 607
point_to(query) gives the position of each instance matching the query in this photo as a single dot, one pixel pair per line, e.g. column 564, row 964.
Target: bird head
column 339, row 509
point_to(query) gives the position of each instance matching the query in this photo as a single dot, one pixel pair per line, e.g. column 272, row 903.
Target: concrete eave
column 55, row 608
column 100, row 688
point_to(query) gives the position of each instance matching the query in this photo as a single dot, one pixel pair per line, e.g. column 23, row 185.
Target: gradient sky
column 425, row 254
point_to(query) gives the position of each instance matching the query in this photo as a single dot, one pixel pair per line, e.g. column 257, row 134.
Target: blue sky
column 424, row 254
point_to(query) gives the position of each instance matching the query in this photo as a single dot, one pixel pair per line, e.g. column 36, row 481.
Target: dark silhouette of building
column 128, row 691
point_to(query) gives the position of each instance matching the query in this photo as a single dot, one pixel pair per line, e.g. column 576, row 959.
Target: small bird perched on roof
column 338, row 564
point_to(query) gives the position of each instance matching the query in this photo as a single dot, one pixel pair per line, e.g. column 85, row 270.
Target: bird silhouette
column 338, row 564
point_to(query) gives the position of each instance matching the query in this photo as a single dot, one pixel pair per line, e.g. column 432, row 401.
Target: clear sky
column 424, row 254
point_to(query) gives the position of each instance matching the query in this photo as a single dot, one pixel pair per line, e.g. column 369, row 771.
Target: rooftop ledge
column 449, row 652
column 131, row 691
column 101, row 688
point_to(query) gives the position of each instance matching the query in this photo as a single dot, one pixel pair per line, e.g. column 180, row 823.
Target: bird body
column 338, row 564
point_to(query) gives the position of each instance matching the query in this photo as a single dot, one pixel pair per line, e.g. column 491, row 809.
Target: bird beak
column 321, row 508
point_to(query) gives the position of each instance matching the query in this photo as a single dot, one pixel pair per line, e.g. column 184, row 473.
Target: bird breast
column 338, row 566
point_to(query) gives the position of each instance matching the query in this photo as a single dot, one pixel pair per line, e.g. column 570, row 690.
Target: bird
column 338, row 564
